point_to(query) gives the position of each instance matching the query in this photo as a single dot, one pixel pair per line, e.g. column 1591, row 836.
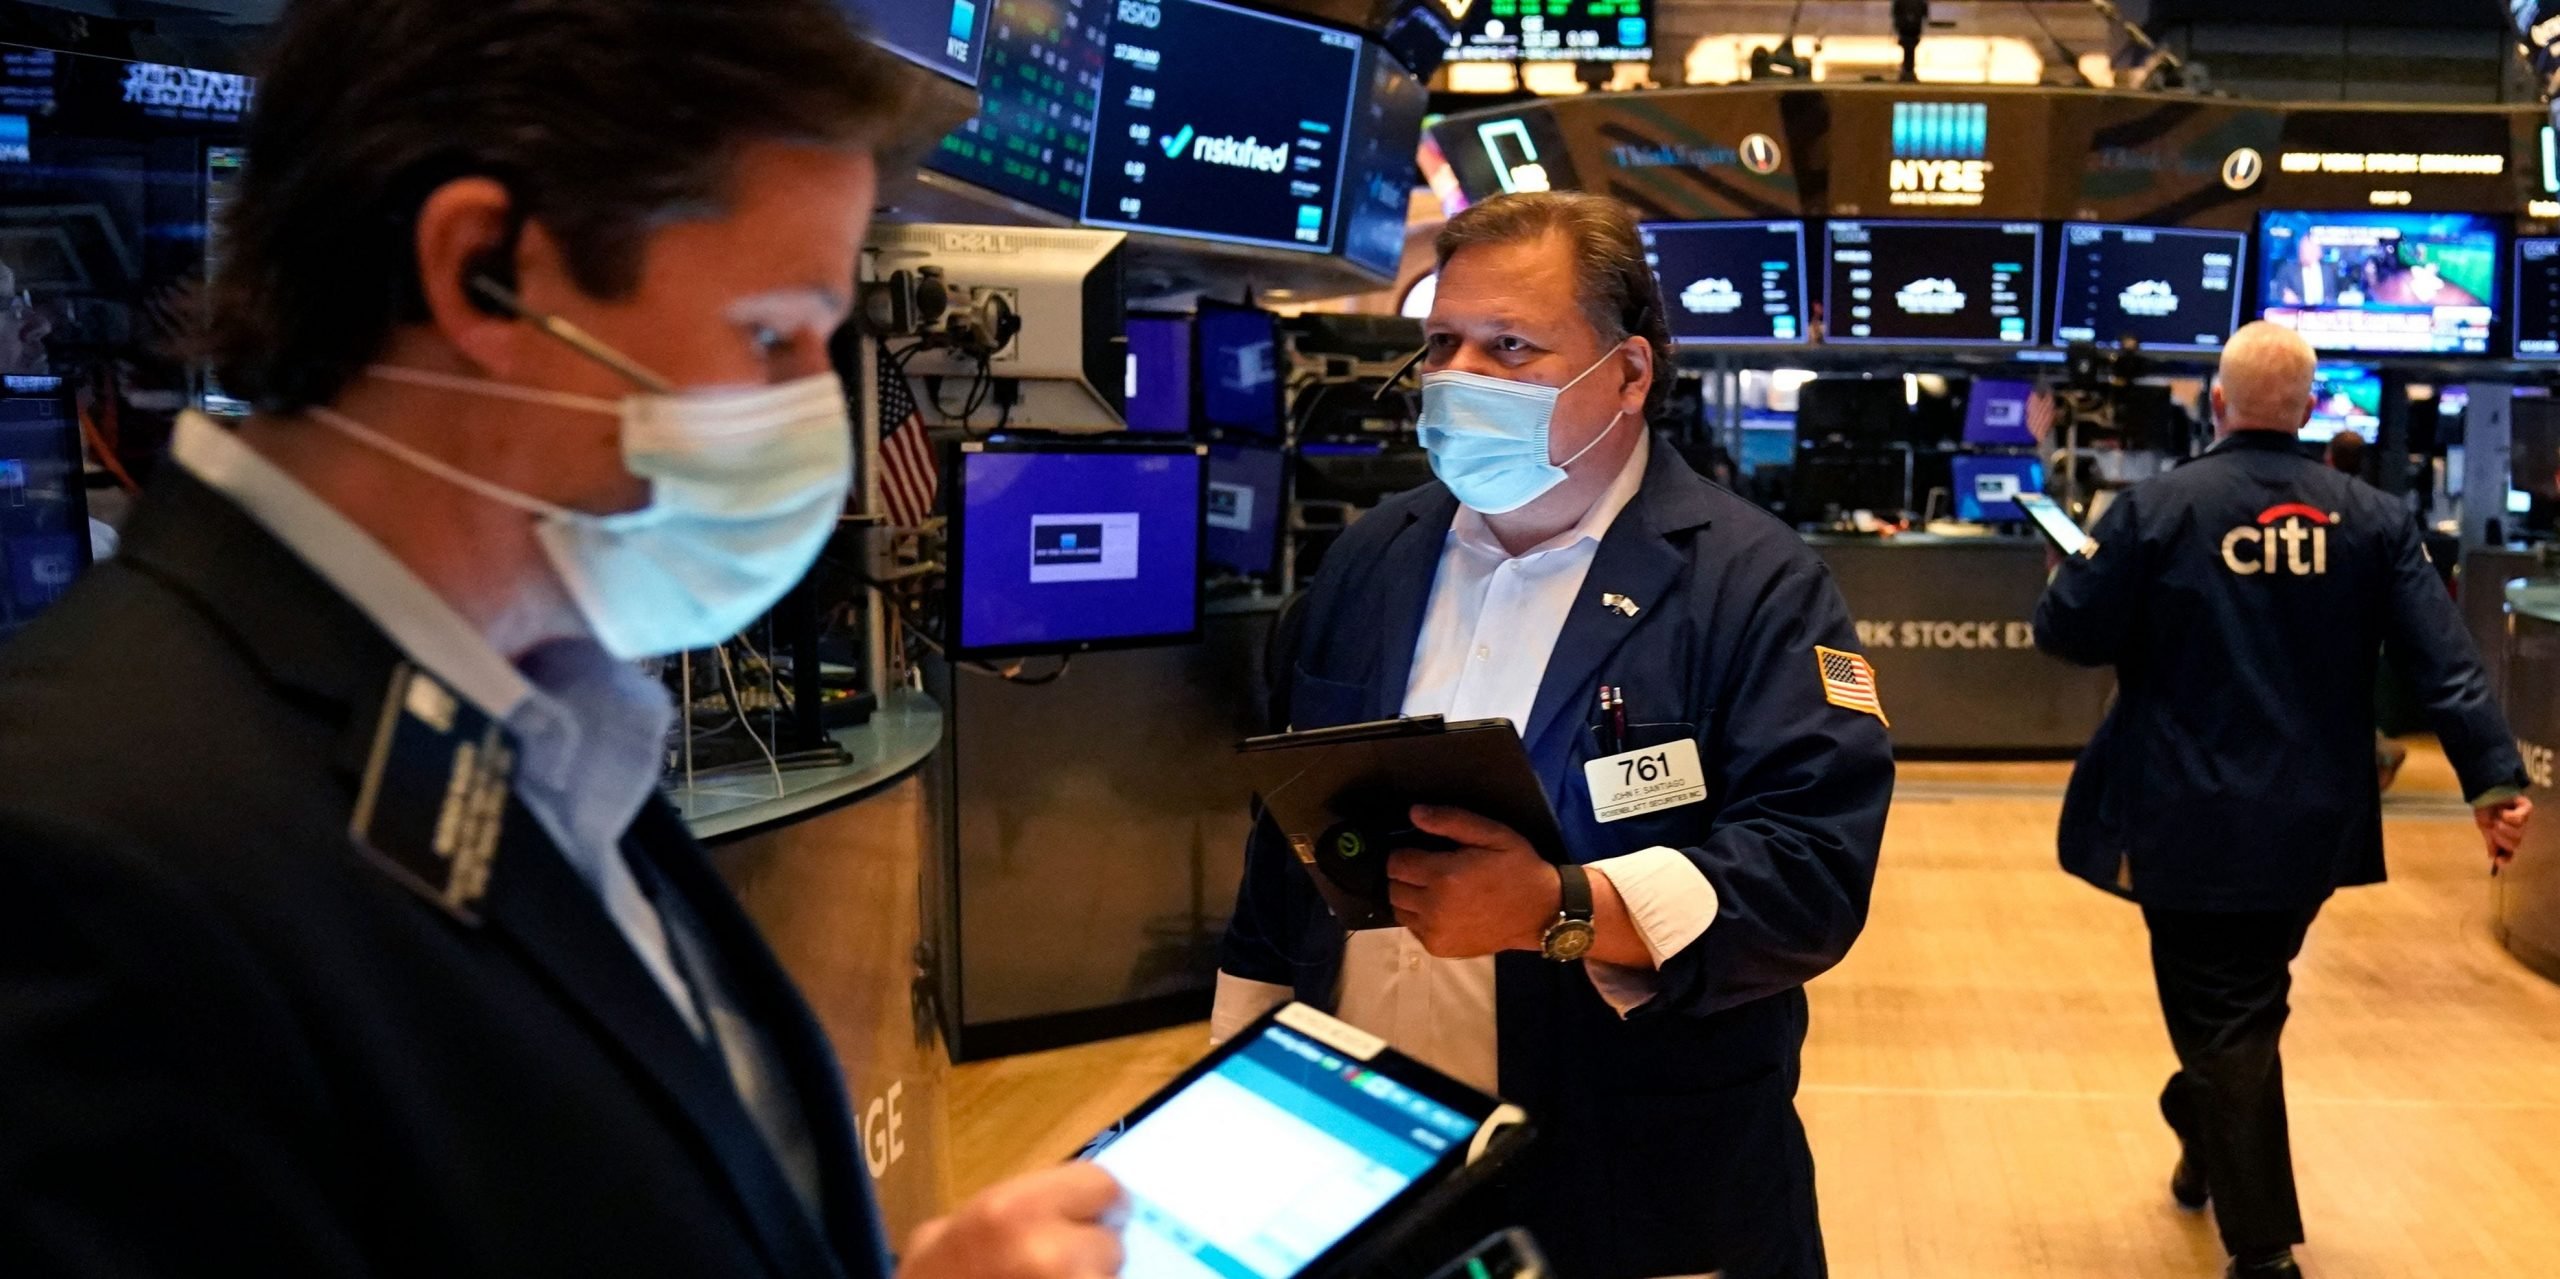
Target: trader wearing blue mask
column 1646, row 1003
column 342, row 929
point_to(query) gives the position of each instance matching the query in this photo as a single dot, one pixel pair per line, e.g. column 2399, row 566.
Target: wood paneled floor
column 1981, row 1078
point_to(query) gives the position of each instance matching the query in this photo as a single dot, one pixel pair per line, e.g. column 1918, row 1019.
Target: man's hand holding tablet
column 1058, row 1223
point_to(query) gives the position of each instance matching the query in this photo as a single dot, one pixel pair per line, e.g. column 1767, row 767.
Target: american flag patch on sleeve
column 1848, row 682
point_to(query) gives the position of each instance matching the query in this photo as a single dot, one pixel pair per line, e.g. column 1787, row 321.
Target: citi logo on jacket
column 2288, row 538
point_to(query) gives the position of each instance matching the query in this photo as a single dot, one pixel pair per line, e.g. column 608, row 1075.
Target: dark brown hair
column 603, row 118
column 1616, row 289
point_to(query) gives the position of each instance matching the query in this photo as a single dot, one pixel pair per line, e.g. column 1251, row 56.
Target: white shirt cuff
column 1239, row 1001
column 1671, row 903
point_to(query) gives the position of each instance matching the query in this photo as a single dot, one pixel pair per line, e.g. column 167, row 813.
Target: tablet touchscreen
column 1280, row 1149
column 2054, row 522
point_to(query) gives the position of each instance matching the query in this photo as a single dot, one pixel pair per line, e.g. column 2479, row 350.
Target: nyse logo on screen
column 1938, row 150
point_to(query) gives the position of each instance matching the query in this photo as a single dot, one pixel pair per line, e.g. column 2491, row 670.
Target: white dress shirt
column 1487, row 633
column 590, row 734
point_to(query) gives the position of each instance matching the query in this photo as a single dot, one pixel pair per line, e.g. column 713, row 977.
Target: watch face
column 1569, row 940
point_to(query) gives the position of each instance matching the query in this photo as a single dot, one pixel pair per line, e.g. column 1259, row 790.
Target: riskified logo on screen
column 1246, row 152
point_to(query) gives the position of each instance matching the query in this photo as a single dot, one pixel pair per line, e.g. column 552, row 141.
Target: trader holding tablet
column 1646, row 1004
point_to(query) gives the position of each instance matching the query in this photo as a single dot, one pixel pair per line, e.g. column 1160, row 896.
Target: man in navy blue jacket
column 1646, row 1004
column 2244, row 600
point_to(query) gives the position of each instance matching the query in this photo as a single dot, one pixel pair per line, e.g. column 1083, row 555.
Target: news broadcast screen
column 2382, row 283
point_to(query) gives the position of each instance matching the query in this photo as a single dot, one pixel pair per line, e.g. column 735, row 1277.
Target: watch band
column 1577, row 892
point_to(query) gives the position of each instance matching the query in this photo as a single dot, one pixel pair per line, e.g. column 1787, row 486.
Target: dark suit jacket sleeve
column 2426, row 642
column 145, row 1078
column 2088, row 612
column 1270, row 906
column 1792, row 854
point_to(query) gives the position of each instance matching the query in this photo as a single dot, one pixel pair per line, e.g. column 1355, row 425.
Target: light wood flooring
column 1981, row 1077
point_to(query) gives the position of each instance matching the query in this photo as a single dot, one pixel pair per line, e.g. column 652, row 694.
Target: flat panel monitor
column 1062, row 548
column 1556, row 31
column 1378, row 187
column 1934, row 283
column 1245, row 500
column 1032, row 139
column 1768, row 439
column 2537, row 298
column 2168, row 289
column 1995, row 413
column 2344, row 397
column 1159, row 389
column 1987, row 488
column 1239, row 369
column 1730, row 283
column 1864, row 412
column 941, row 35
column 44, row 511
column 1224, row 124
column 2386, row 283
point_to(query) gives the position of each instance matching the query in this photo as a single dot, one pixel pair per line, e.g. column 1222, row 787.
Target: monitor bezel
column 1831, row 335
column 1804, row 286
column 2243, row 282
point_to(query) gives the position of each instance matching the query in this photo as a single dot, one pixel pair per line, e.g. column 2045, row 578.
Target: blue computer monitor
column 1060, row 548
column 1238, row 368
column 1159, row 387
column 1987, row 488
column 1995, row 413
column 1245, row 498
column 44, row 511
column 1768, row 439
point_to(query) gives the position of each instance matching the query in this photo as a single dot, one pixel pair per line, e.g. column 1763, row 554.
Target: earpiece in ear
column 488, row 292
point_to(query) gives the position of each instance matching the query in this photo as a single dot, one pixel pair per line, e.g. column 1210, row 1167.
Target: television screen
column 1730, row 282
column 1032, row 139
column 942, row 35
column 1238, row 369
column 1159, row 390
column 1244, row 508
column 1995, row 413
column 1225, row 124
column 1379, row 184
column 1768, row 439
column 1060, row 548
column 2170, row 290
column 2390, row 283
column 1555, row 31
column 2344, row 397
column 2537, row 299
column 1934, row 283
column 1987, row 488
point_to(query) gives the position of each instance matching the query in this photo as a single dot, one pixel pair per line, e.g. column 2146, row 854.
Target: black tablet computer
column 2054, row 522
column 1343, row 797
column 1298, row 1150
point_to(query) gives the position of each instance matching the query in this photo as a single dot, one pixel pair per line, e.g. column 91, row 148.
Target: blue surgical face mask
column 1488, row 437
column 744, row 488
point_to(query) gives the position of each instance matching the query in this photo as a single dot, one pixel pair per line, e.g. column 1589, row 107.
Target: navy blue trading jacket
column 1669, row 1140
column 2245, row 600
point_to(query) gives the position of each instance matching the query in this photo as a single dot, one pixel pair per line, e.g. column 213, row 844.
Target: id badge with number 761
column 1643, row 781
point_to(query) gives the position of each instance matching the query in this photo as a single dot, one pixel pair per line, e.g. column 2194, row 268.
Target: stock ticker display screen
column 1555, row 31
column 944, row 35
column 1730, row 282
column 1032, row 139
column 2170, row 290
column 1222, row 123
column 1934, row 283
column 2537, row 300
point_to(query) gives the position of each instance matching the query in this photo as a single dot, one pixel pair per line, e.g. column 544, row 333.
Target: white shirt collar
column 416, row 619
column 1472, row 530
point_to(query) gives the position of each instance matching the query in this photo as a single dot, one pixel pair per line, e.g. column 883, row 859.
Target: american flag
column 2040, row 413
column 1848, row 682
column 910, row 470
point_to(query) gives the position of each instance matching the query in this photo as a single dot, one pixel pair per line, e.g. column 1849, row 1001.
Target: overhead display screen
column 1222, row 123
column 1555, row 31
column 1934, row 283
column 1730, row 282
column 1032, row 139
column 944, row 35
column 2537, row 300
column 2389, row 283
column 2170, row 290
column 1386, row 131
